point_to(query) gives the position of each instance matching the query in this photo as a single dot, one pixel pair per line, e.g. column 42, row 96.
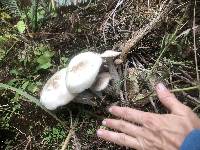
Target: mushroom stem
column 114, row 75
column 85, row 98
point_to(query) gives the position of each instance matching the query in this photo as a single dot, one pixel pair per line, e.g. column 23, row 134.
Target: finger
column 131, row 115
column 125, row 127
column 118, row 138
column 169, row 100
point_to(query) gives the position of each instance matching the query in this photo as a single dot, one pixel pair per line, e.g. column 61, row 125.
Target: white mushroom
column 110, row 53
column 55, row 92
column 82, row 71
column 101, row 82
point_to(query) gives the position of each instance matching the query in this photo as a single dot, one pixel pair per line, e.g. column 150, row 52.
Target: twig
column 109, row 17
column 184, row 79
column 194, row 100
column 19, row 130
column 28, row 143
column 196, row 108
column 191, row 98
column 76, row 143
column 148, row 3
column 194, row 45
column 70, row 134
column 138, row 35
column 125, row 82
column 124, row 102
column 154, row 105
column 113, row 12
column 173, row 91
column 186, row 74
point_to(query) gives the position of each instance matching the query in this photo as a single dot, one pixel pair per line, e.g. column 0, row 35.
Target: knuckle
column 149, row 121
column 168, row 97
column 187, row 110
column 121, row 125
column 125, row 113
column 188, row 126
column 121, row 138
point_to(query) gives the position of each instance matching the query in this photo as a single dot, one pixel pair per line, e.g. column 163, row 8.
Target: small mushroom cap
column 110, row 53
column 82, row 71
column 102, row 81
column 55, row 92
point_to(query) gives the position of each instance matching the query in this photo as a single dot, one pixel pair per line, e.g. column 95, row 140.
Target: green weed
column 52, row 135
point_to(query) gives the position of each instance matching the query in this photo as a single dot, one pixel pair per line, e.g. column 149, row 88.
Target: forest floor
column 159, row 41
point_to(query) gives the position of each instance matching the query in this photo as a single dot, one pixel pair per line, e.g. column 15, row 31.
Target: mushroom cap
column 55, row 92
column 82, row 71
column 101, row 82
column 110, row 53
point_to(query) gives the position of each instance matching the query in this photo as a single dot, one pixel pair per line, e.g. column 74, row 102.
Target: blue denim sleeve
column 192, row 141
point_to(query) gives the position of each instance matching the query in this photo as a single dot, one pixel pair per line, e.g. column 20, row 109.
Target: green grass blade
column 31, row 99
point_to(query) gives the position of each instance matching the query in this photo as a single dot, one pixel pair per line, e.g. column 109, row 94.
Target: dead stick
column 70, row 134
column 138, row 35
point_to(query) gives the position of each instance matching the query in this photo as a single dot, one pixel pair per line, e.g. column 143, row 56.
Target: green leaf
column 16, row 72
column 45, row 66
column 21, row 26
column 32, row 87
column 43, row 59
column 25, row 85
column 44, row 62
column 3, row 39
column 40, row 14
column 48, row 53
column 2, row 54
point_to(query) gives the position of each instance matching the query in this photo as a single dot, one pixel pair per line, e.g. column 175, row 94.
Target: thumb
column 169, row 100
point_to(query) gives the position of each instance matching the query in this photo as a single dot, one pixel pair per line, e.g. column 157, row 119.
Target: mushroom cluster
column 83, row 72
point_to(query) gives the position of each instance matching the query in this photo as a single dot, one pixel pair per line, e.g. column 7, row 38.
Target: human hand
column 156, row 131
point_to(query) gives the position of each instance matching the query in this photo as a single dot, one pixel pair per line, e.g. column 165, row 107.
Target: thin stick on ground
column 194, row 45
column 173, row 91
column 70, row 134
column 125, row 82
column 138, row 35
column 28, row 143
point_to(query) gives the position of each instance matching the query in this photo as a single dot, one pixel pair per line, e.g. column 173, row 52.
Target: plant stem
column 31, row 99
column 34, row 15
column 173, row 91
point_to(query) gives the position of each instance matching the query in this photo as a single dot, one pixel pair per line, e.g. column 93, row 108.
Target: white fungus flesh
column 82, row 71
column 110, row 53
column 101, row 82
column 55, row 92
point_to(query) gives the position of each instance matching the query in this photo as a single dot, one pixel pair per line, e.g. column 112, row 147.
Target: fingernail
column 161, row 87
column 99, row 132
column 104, row 122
